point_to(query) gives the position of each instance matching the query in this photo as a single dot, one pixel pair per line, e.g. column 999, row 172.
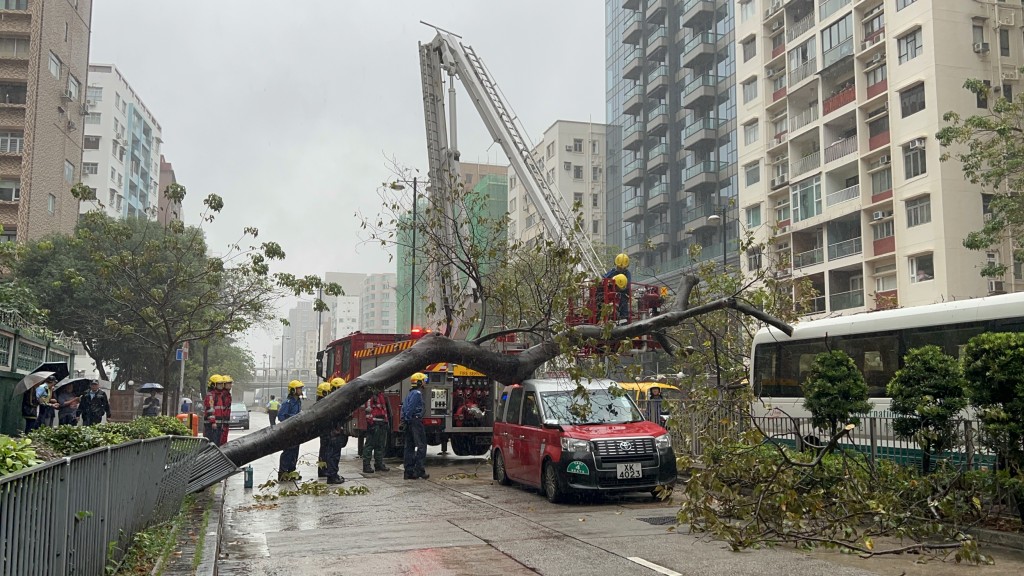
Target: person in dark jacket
column 151, row 405
column 30, row 409
column 290, row 407
column 68, row 406
column 93, row 405
column 414, row 435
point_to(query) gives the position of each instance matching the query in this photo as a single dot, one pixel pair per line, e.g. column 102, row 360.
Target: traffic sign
column 181, row 354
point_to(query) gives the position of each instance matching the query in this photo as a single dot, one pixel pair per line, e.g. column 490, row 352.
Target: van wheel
column 499, row 470
column 552, row 486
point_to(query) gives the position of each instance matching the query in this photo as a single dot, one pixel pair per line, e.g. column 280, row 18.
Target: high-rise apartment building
column 343, row 318
column 573, row 160
column 121, row 161
column 169, row 210
column 840, row 104
column 378, row 304
column 671, row 141
column 44, row 50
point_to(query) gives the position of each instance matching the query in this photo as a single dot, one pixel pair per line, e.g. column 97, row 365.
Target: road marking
column 474, row 496
column 653, row 566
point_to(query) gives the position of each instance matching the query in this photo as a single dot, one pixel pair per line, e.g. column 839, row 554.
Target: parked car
column 239, row 416
column 550, row 438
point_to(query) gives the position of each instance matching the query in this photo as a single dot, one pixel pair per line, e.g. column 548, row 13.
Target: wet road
column 455, row 523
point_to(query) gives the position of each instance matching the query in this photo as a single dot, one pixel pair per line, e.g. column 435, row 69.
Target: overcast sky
column 286, row 108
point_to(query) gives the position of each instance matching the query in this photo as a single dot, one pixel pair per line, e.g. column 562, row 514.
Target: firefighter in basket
column 620, row 283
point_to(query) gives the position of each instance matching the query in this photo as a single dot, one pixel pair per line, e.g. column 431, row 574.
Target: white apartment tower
column 378, row 304
column 121, row 156
column 838, row 105
column 343, row 318
column 572, row 155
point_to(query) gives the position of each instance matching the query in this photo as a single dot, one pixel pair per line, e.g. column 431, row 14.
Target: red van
column 548, row 437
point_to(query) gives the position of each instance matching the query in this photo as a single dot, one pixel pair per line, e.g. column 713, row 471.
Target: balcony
column 841, row 98
column 634, row 26
column 633, row 136
column 837, row 150
column 838, row 53
column 658, row 234
column 844, row 195
column 657, row 43
column 882, row 246
column 847, row 300
column 657, row 81
column 808, row 258
column 657, row 121
column 778, row 50
column 699, row 49
column 14, row 94
column 878, row 140
column 814, row 305
column 802, row 71
column 695, row 11
column 845, row 248
column 631, row 4
column 799, row 27
column 878, row 88
column 779, row 93
column 658, row 197
column 634, row 99
column 657, row 159
column 806, row 164
column 699, row 214
column 656, row 11
column 634, row 209
column 804, row 118
column 876, row 37
column 830, row 7
column 633, row 173
column 634, row 64
column 634, row 243
column 701, row 133
column 700, row 89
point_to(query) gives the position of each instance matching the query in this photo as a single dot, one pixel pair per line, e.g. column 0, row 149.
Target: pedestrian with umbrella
column 31, row 400
column 67, row 393
column 151, row 405
column 93, row 405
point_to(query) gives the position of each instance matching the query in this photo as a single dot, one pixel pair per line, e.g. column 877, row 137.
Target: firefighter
column 290, row 407
column 377, row 433
column 322, row 390
column 621, row 284
column 337, row 440
column 210, row 430
column 224, row 417
column 414, row 436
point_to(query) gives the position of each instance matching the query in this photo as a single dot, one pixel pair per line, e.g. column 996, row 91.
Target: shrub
column 993, row 365
column 68, row 440
column 16, row 454
column 835, row 391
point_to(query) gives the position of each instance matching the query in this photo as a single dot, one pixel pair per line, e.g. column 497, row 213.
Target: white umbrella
column 30, row 381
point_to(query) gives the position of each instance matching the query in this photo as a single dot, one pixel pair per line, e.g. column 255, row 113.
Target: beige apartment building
column 44, row 56
column 572, row 156
column 838, row 104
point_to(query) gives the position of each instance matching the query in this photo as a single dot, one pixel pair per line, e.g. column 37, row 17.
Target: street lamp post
column 714, row 219
column 398, row 185
column 281, row 374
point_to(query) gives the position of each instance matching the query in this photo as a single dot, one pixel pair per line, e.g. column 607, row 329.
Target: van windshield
column 603, row 408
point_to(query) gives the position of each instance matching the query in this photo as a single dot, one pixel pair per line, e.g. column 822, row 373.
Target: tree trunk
column 506, row 369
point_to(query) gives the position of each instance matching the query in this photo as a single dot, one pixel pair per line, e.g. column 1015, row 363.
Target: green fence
column 22, row 348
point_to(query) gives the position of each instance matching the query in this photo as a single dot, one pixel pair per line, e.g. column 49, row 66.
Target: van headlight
column 575, row 445
column 663, row 442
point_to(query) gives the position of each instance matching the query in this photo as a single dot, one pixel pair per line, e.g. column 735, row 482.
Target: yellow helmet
column 216, row 379
column 620, row 281
column 225, row 379
column 295, row 384
column 323, row 388
column 622, row 261
column 337, row 383
column 418, row 378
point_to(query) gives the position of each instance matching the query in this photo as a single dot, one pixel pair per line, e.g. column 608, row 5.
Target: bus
column 877, row 342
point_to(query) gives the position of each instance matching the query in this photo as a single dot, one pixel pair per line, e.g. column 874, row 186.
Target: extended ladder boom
column 446, row 54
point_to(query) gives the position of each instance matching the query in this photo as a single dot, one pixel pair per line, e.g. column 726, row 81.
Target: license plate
column 629, row 471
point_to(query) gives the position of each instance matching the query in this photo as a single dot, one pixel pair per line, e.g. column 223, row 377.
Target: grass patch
column 201, row 538
column 151, row 545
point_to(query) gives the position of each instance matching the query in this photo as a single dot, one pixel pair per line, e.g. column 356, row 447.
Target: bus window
column 876, row 356
column 796, row 361
column 951, row 339
column 346, row 353
column 765, row 368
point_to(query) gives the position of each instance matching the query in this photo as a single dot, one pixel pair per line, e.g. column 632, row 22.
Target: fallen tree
column 503, row 368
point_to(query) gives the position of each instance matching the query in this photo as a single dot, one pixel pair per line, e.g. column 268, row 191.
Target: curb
column 1011, row 540
column 211, row 543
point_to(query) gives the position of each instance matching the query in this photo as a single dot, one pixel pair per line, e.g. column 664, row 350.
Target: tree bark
column 430, row 349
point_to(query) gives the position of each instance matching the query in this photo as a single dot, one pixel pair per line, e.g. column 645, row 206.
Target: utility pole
column 412, row 283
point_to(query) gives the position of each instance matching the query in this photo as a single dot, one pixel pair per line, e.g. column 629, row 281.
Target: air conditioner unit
column 877, row 57
column 884, row 159
column 995, row 287
column 1006, row 19
column 916, row 144
column 72, row 125
column 981, row 47
column 880, row 214
column 776, row 5
column 777, row 25
column 568, row 147
column 1011, row 75
column 67, row 95
column 783, row 272
column 783, row 230
column 85, row 110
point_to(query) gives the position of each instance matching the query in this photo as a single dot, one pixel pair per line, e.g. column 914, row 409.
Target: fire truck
column 459, row 402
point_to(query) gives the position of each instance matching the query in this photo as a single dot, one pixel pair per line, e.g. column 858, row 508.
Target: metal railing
column 846, row 300
column 802, row 71
column 77, row 514
column 837, row 150
column 830, row 7
column 844, row 195
column 804, row 118
column 806, row 164
column 800, row 26
column 808, row 258
column 845, row 248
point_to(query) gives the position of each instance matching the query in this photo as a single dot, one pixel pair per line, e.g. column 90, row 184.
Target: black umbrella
column 150, row 386
column 79, row 385
column 30, row 381
column 60, row 369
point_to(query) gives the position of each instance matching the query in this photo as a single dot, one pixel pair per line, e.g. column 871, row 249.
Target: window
column 10, row 190
column 595, row 147
column 67, row 32
column 90, row 168
column 51, row 203
column 912, row 100
column 113, row 194
column 876, row 75
column 14, row 47
column 117, row 100
column 752, row 173
column 754, row 216
column 754, row 259
column 881, row 181
column 750, row 133
column 982, row 97
column 978, row 33
column 595, row 226
column 882, row 230
column 551, row 150
column 551, row 176
column 515, row 404
column 12, row 142
column 567, row 166
column 577, row 144
column 14, row 4
column 922, row 268
column 919, row 211
column 73, row 88
column 92, row 143
column 749, row 49
column 531, row 411
column 837, row 33
column 577, row 172
column 1008, row 92
column 577, row 198
column 885, row 283
column 1004, row 42
column 874, row 26
column 901, row 4
column 594, row 200
column 878, row 127
column 749, row 90
column 69, row 172
column 93, row 118
column 909, row 46
column 54, row 65
column 914, row 159
column 806, row 199
column 94, row 94
column 747, row 10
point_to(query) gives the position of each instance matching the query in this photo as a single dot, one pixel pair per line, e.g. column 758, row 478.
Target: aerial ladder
column 446, row 55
